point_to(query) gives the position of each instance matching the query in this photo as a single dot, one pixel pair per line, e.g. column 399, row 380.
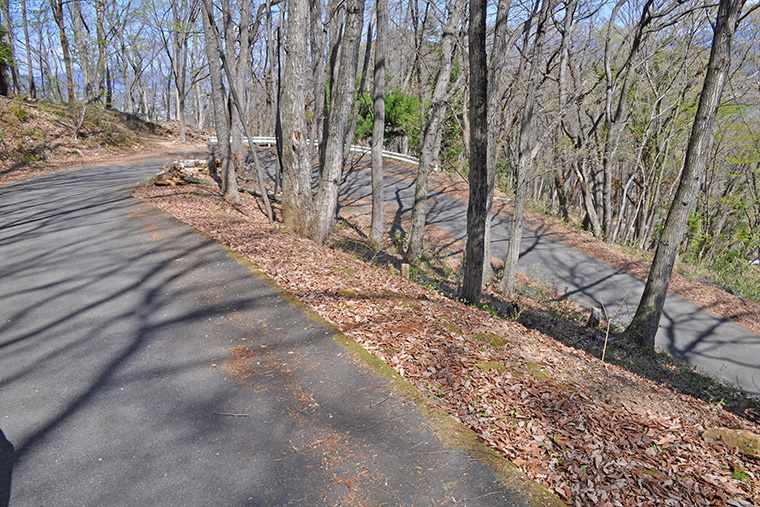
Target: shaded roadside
column 141, row 364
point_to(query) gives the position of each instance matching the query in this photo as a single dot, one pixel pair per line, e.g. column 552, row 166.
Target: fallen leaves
column 593, row 433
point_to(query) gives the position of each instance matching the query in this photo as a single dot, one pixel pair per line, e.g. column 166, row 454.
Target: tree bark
column 10, row 42
column 32, row 87
column 297, row 204
column 436, row 113
column 102, row 62
column 527, row 129
column 643, row 328
column 496, row 88
column 221, row 111
column 317, row 35
column 616, row 121
column 185, row 15
column 80, row 37
column 477, row 206
column 323, row 220
column 378, row 124
column 58, row 15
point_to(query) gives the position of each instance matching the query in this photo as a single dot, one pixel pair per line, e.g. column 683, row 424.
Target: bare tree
column 378, row 123
column 643, row 328
column 81, row 39
column 221, row 111
column 9, row 43
column 525, row 157
column 477, row 207
column 497, row 86
column 342, row 95
column 57, row 6
column 32, row 87
column 297, row 203
column 184, row 14
column 436, row 113
column 101, row 66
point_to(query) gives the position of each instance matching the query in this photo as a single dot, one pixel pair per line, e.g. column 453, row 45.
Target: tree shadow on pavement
column 6, row 469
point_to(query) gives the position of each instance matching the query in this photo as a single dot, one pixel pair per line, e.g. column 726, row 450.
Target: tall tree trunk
column 378, row 124
column 229, row 53
column 32, row 87
column 477, row 207
column 524, row 158
column 80, row 37
column 335, row 27
column 587, row 196
column 102, row 62
column 221, row 111
column 58, row 15
column 496, row 88
column 357, row 103
column 297, row 203
column 617, row 120
column 10, row 43
column 436, row 113
column 643, row 328
column 342, row 94
column 317, row 35
column 184, row 15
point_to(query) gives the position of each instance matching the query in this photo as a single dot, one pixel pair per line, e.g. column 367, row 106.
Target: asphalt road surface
column 117, row 329
column 707, row 341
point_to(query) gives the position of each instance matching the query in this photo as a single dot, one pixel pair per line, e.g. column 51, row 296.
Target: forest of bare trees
column 594, row 111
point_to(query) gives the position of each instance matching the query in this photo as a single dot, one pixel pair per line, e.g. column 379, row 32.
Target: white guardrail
column 361, row 150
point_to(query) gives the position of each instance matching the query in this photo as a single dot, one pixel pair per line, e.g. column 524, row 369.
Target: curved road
column 707, row 341
column 118, row 326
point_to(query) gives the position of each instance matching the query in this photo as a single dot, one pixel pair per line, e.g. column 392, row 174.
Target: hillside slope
column 39, row 137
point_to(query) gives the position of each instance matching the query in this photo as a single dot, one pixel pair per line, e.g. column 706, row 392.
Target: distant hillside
column 41, row 137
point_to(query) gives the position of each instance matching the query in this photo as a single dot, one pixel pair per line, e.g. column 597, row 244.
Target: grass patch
column 492, row 340
column 538, row 372
column 491, row 366
column 451, row 328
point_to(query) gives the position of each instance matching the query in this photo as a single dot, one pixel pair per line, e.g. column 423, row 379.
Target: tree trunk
column 221, row 111
column 297, row 205
column 436, row 113
column 335, row 27
column 80, row 37
column 184, row 15
column 477, row 206
column 102, row 63
column 496, row 87
column 10, row 43
column 32, row 87
column 357, row 103
column 527, row 129
column 378, row 124
column 616, row 121
column 317, row 71
column 342, row 93
column 58, row 15
column 643, row 328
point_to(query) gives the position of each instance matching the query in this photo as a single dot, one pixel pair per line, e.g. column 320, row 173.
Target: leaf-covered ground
column 592, row 432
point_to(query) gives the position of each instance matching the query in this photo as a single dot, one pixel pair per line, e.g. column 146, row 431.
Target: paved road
column 705, row 340
column 116, row 330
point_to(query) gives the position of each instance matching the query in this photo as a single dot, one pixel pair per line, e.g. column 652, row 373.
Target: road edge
column 449, row 430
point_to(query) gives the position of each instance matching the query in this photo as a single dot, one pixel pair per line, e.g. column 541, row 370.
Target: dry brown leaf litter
column 556, row 412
